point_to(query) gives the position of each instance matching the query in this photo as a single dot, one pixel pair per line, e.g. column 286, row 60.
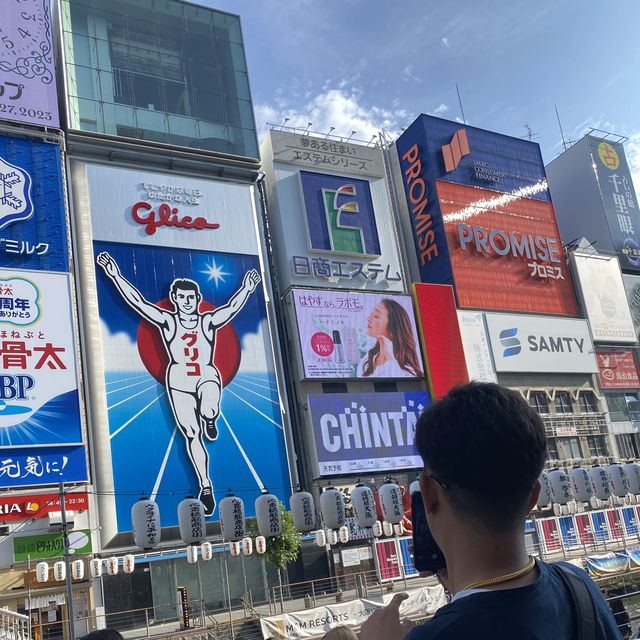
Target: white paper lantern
column 332, row 507
column 560, row 486
column 247, row 546
column 77, row 569
column 414, row 487
column 387, row 528
column 42, row 572
column 601, row 482
column 343, row 534
column 619, row 480
column 206, row 551
column 112, row 566
column 95, row 567
column 191, row 521
column 377, row 529
column 364, row 506
column 268, row 516
column 234, row 548
column 145, row 516
column 332, row 537
column 545, row 490
column 581, row 484
column 128, row 563
column 59, row 571
column 321, row 538
column 261, row 544
column 391, row 502
column 398, row 529
column 232, row 519
column 192, row 554
column 303, row 511
column 633, row 475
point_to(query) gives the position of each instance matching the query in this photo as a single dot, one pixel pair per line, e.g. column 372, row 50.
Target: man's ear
column 533, row 498
column 430, row 493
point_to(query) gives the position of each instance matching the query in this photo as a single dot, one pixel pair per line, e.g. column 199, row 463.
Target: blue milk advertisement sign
column 366, row 432
column 189, row 376
column 33, row 226
column 40, row 427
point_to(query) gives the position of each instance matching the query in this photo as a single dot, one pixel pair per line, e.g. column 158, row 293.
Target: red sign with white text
column 23, row 507
column 618, row 370
column 505, row 250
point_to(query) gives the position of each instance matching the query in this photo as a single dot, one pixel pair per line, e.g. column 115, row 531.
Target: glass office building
column 158, row 70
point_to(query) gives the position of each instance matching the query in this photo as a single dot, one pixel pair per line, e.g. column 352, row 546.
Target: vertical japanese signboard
column 619, row 200
column 27, row 73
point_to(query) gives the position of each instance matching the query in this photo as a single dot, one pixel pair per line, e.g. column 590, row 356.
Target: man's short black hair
column 185, row 285
column 488, row 445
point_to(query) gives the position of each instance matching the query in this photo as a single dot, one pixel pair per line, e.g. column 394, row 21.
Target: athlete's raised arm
column 131, row 295
column 227, row 312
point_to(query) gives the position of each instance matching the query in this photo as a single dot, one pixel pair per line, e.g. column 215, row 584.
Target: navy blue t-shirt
column 539, row 611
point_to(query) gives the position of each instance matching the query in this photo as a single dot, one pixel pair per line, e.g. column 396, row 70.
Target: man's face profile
column 186, row 300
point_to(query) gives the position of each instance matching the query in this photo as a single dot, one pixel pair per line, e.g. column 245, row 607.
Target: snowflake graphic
column 15, row 194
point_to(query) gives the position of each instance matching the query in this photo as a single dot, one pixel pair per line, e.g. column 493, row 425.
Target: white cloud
column 409, row 76
column 445, row 42
column 120, row 353
column 439, row 110
column 632, row 151
column 256, row 350
column 344, row 110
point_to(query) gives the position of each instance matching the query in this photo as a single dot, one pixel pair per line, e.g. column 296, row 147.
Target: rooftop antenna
column 373, row 137
column 284, row 122
column 530, row 134
column 353, row 133
column 330, row 131
column 464, row 120
column 306, row 131
column 564, row 141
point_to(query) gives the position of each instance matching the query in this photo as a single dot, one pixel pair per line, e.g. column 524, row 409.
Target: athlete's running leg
column 209, row 407
column 185, row 411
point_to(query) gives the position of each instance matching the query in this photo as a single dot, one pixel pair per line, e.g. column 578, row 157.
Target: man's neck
column 473, row 557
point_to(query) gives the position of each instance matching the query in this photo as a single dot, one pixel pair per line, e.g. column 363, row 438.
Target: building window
column 552, row 449
column 571, row 447
column 623, row 406
column 563, row 402
column 334, row 387
column 384, row 386
column 539, row 401
column 598, row 446
column 588, row 402
column 629, row 445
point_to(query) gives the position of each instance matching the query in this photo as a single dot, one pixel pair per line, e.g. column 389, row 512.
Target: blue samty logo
column 510, row 342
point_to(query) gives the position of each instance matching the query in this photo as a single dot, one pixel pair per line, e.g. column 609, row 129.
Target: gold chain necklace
column 505, row 578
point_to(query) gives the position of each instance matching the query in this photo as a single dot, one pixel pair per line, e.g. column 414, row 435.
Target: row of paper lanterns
column 96, row 566
column 595, row 486
column 145, row 516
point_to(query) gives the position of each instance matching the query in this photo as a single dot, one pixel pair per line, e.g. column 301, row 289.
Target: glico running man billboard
column 192, row 399
column 480, row 217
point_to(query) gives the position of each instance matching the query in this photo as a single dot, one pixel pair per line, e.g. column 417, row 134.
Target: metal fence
column 13, row 626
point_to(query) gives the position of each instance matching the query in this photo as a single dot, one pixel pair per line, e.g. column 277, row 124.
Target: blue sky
column 366, row 64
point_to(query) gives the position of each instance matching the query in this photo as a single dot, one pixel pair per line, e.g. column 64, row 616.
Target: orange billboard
column 505, row 251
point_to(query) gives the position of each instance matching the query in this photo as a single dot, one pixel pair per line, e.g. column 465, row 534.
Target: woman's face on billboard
column 378, row 321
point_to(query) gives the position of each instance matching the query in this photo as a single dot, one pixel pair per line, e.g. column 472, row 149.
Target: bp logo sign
column 340, row 216
column 510, row 342
column 15, row 194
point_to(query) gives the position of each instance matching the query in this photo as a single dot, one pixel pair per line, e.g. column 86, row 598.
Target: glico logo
column 453, row 152
column 340, row 216
column 509, row 341
column 15, row 194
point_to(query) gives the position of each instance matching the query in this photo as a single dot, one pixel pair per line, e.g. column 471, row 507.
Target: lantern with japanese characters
column 581, row 484
column 398, row 529
column 343, row 534
column 192, row 554
column 387, row 528
column 232, row 520
column 364, row 506
column 321, row 538
column 95, row 567
column 619, row 480
column 332, row 537
column 191, row 521
column 234, row 548
column 303, row 511
column 332, row 507
column 261, row 545
column 414, row 487
column 112, row 566
column 145, row 517
column 59, row 571
column 206, row 551
column 77, row 569
column 560, row 487
column 268, row 515
column 247, row 546
column 633, row 475
column 544, row 498
column 601, row 482
column 42, row 572
column 377, row 529
column 129, row 563
column 391, row 502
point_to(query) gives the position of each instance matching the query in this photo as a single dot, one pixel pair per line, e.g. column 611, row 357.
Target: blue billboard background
column 148, row 451
column 42, row 465
column 33, row 224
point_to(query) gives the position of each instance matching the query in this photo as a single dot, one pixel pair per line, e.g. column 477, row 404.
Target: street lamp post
column 67, row 564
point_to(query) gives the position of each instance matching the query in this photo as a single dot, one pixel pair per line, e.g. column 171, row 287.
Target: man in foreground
column 483, row 449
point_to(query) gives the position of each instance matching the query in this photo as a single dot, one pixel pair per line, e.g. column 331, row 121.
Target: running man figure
column 193, row 382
